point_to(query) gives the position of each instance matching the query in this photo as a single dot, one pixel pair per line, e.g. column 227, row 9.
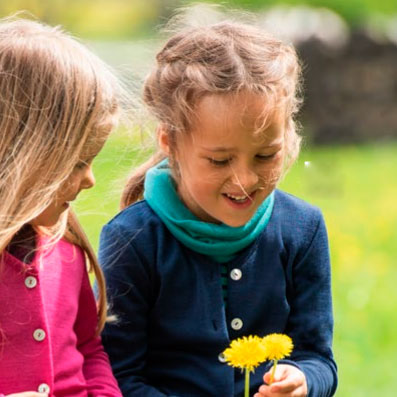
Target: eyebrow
column 230, row 149
column 219, row 149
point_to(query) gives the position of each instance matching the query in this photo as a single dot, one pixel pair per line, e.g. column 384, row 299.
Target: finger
column 283, row 387
column 277, row 388
column 266, row 378
column 280, row 374
column 264, row 391
column 294, row 393
column 272, row 391
column 259, row 394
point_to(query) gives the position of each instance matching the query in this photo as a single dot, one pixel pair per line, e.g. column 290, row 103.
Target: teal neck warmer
column 218, row 241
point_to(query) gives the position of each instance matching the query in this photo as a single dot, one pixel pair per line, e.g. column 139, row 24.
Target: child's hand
column 288, row 381
column 28, row 394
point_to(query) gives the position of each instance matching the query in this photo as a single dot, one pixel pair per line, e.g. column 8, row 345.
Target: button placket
column 237, row 324
column 43, row 388
column 30, row 282
column 39, row 335
column 221, row 358
column 236, row 274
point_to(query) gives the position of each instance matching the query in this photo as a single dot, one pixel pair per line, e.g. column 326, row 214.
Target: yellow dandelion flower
column 246, row 353
column 277, row 346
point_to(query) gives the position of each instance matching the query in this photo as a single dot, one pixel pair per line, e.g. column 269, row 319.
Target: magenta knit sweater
column 47, row 327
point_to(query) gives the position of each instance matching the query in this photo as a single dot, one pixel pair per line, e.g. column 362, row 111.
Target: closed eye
column 264, row 157
column 219, row 163
column 81, row 165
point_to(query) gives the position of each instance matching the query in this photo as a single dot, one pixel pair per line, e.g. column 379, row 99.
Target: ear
column 163, row 139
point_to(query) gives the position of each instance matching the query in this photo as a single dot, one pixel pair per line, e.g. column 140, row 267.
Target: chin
column 235, row 223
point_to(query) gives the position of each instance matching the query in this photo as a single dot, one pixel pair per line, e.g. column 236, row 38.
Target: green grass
column 95, row 207
column 356, row 188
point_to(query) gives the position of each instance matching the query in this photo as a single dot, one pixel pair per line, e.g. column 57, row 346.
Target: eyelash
column 219, row 163
column 262, row 157
column 80, row 165
column 222, row 163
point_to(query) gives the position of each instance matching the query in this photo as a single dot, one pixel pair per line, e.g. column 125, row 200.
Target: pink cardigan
column 47, row 327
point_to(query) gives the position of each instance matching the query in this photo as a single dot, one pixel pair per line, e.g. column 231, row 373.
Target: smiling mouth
column 240, row 199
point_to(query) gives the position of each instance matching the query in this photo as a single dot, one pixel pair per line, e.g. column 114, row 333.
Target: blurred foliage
column 354, row 11
column 118, row 19
column 100, row 19
column 353, row 186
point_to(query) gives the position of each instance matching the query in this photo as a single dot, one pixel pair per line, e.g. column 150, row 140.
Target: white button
column 235, row 274
column 43, row 388
column 30, row 281
column 39, row 334
column 237, row 324
column 222, row 358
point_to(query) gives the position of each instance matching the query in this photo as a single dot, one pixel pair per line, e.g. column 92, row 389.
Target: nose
column 87, row 179
column 244, row 176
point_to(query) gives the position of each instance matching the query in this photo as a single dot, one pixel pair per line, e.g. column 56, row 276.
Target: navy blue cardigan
column 172, row 324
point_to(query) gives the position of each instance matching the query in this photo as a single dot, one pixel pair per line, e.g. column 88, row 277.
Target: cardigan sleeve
column 129, row 293
column 310, row 322
column 96, row 367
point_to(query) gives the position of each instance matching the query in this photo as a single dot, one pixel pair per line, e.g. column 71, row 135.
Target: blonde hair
column 57, row 101
column 223, row 58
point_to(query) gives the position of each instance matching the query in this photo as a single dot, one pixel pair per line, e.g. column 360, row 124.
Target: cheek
column 203, row 187
column 271, row 173
column 216, row 176
column 196, row 173
column 69, row 186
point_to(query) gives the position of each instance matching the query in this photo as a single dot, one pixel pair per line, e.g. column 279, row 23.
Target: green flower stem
column 247, row 383
column 273, row 371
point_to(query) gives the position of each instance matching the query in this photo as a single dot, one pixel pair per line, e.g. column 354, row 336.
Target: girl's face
column 228, row 164
column 81, row 178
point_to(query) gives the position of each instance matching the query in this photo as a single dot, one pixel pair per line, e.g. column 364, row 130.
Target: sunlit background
column 348, row 164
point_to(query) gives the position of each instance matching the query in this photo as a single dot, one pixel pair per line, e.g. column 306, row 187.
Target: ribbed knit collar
column 219, row 241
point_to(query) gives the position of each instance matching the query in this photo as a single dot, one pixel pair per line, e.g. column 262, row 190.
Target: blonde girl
column 207, row 248
column 58, row 104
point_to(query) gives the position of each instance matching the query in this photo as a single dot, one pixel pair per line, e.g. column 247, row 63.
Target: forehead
column 97, row 138
column 92, row 147
column 237, row 116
